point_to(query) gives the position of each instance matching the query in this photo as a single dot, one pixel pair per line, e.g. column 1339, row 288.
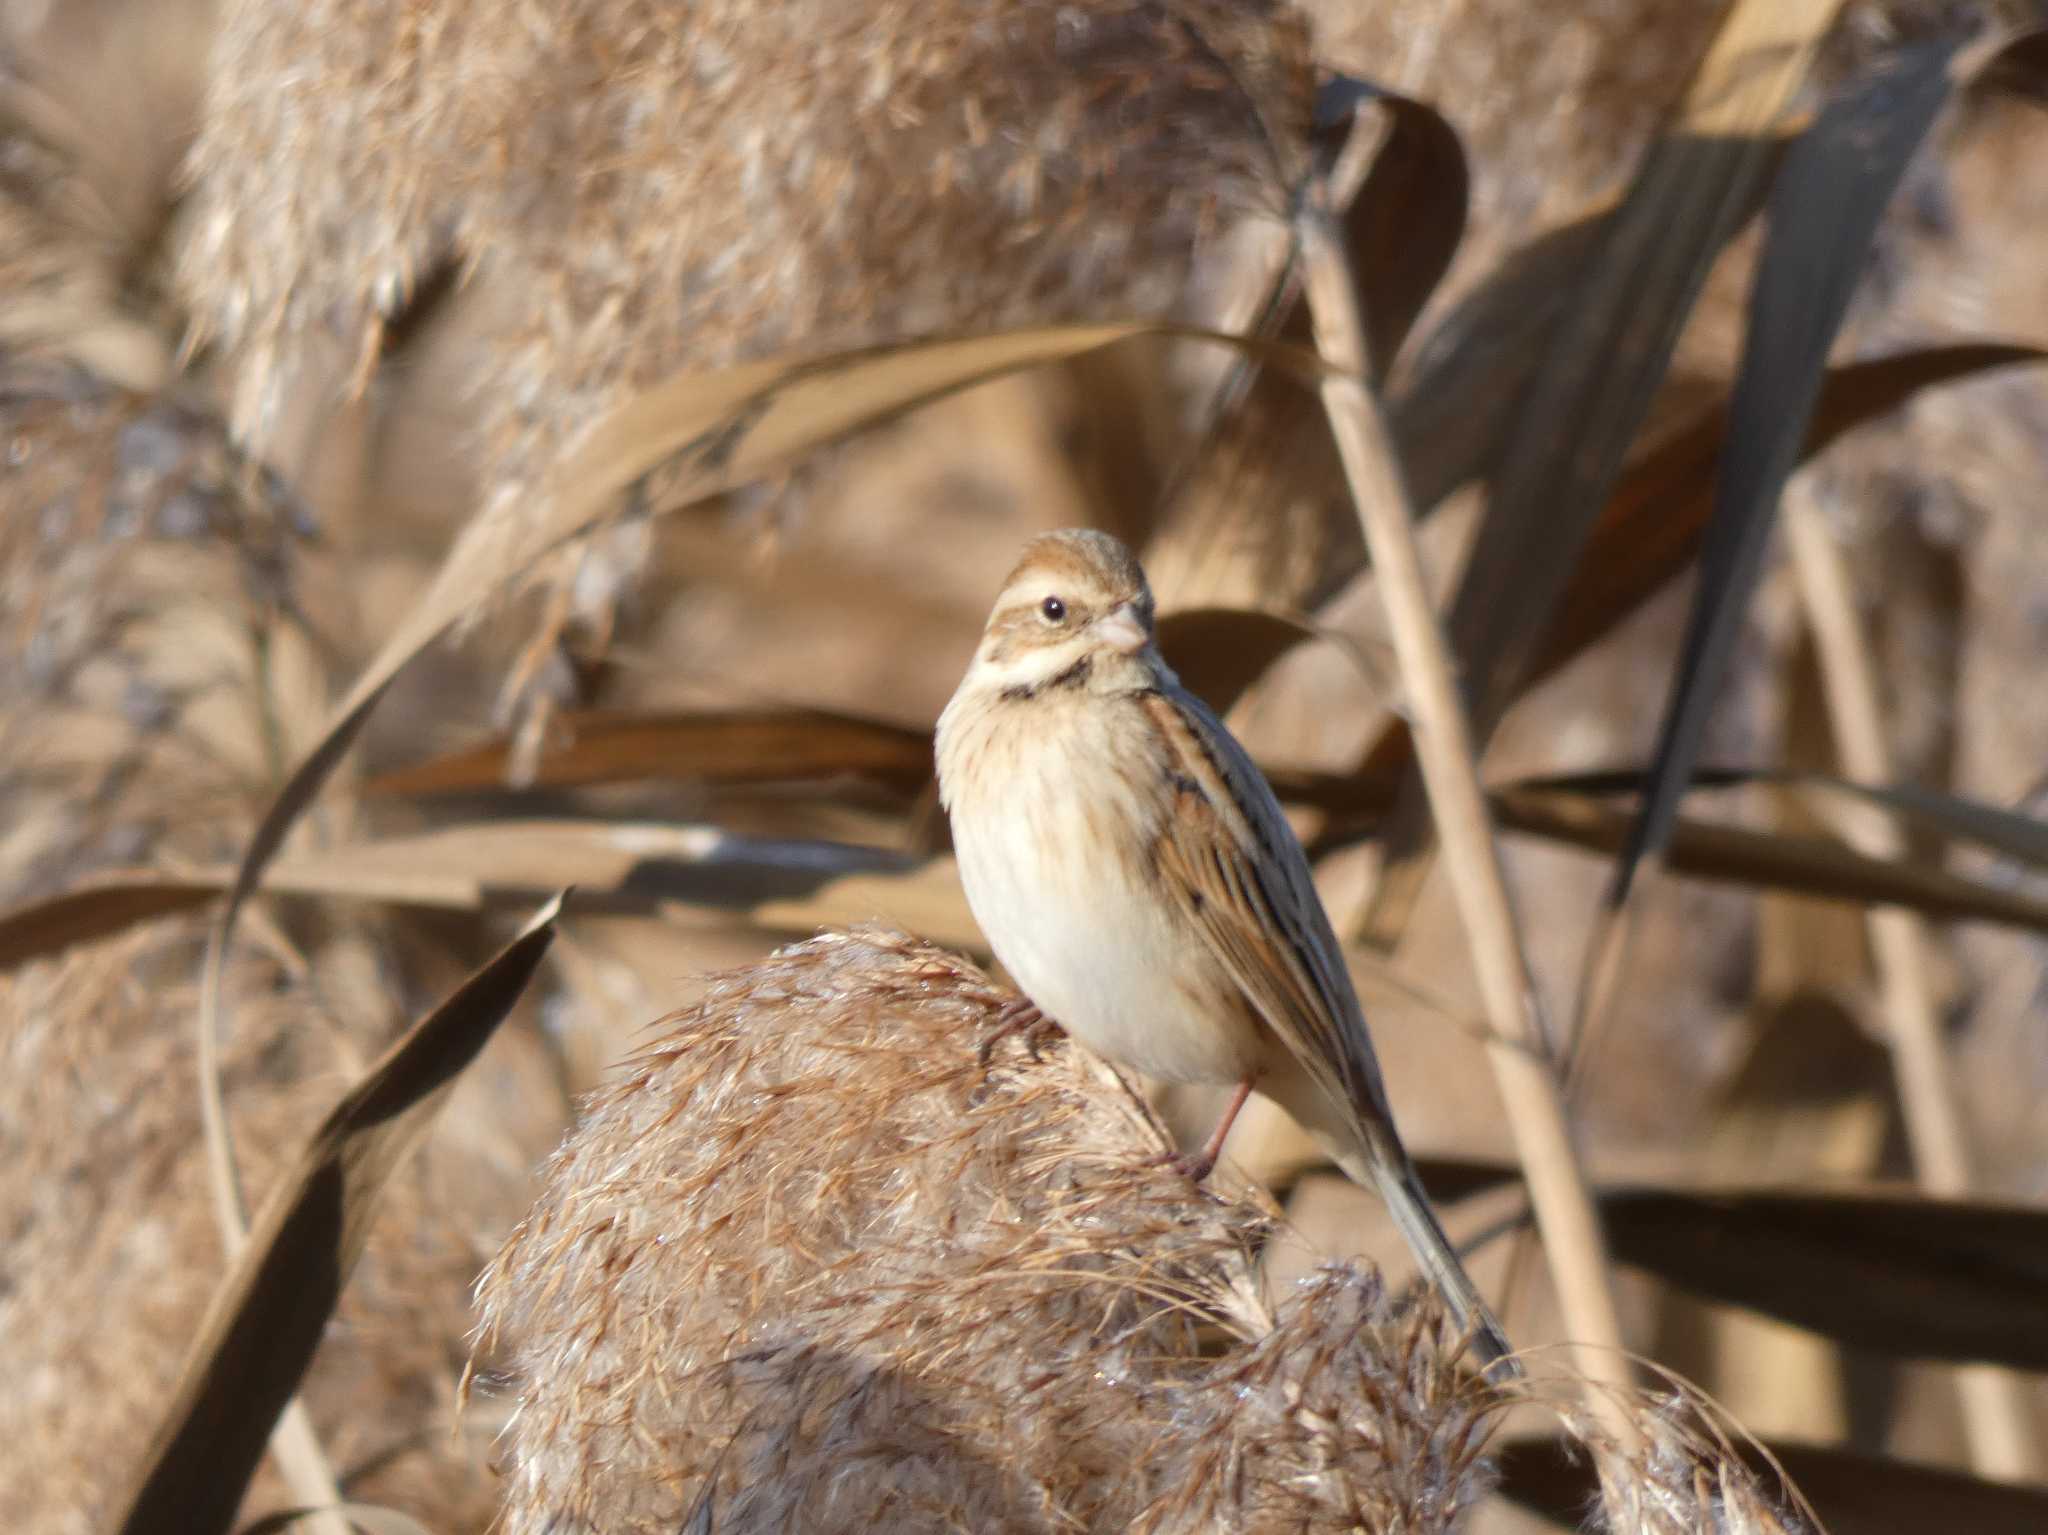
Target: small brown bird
column 1133, row 872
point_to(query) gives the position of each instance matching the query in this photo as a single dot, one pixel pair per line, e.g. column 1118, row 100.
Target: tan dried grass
column 152, row 680
column 804, row 1260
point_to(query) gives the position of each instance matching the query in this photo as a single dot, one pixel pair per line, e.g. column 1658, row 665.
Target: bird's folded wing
column 1231, row 861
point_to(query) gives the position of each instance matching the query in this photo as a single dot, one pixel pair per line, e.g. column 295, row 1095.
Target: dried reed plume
column 1683, row 1475
column 805, row 1261
column 96, row 98
column 152, row 676
column 642, row 186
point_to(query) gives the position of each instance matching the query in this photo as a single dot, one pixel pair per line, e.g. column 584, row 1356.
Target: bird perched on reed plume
column 1134, row 874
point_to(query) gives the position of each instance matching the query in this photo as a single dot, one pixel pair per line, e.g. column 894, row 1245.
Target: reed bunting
column 1134, row 874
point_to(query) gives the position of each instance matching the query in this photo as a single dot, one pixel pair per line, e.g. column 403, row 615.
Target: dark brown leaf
column 1943, row 817
column 1220, row 652
column 1808, row 865
column 105, row 905
column 1403, row 227
column 601, row 746
column 1650, row 530
column 1699, row 849
column 1604, row 358
column 1895, row 1273
column 1823, row 216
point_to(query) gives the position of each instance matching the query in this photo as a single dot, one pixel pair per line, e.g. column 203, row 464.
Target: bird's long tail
column 1394, row 1175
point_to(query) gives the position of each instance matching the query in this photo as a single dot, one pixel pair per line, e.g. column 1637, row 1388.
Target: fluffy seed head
column 808, row 1262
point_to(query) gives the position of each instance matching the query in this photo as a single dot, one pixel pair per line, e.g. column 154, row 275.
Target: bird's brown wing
column 1228, row 856
column 1232, row 862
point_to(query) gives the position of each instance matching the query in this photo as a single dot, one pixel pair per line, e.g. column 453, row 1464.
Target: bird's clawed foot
column 1020, row 1017
column 1196, row 1165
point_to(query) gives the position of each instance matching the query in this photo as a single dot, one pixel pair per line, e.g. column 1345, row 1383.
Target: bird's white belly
column 1118, row 966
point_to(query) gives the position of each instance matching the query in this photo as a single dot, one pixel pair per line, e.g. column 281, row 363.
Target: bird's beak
column 1122, row 630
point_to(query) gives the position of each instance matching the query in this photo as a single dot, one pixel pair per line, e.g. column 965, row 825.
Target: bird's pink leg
column 1203, row 1162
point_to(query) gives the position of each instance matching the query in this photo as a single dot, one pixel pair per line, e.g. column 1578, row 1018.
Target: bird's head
column 1074, row 611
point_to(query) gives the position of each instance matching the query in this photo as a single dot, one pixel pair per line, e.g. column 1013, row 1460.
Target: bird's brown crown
column 1089, row 571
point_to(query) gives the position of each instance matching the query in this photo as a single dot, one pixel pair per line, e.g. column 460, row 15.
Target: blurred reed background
column 455, row 451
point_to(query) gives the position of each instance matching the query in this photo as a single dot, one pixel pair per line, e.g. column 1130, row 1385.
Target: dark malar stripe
column 1072, row 677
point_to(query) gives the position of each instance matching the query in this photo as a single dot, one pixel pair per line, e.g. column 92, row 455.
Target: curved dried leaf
column 1952, row 817
column 1220, row 652
column 1404, row 225
column 1450, row 413
column 617, row 865
column 1823, row 215
column 1853, row 1494
column 266, row 1319
column 1697, row 185
column 1807, row 865
column 1651, row 528
column 604, row 746
column 1895, row 1273
column 1699, row 849
column 104, row 905
column 1262, row 478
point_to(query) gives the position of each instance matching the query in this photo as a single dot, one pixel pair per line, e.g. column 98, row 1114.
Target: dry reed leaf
column 1825, row 206
column 1897, row 1273
column 1256, row 512
column 1612, row 346
column 1219, row 652
column 619, row 865
column 1810, row 865
column 1403, row 227
column 601, row 746
column 1554, row 103
column 268, row 1315
column 1650, row 530
column 1603, row 359
column 806, row 1265
column 104, row 905
column 1938, row 819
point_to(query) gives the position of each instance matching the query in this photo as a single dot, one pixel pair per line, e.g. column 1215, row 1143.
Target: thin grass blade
column 1823, row 215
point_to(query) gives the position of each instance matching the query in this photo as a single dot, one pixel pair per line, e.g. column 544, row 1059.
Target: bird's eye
column 1055, row 611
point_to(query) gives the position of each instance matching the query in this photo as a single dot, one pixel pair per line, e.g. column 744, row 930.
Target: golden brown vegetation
column 988, row 1290
column 291, row 296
